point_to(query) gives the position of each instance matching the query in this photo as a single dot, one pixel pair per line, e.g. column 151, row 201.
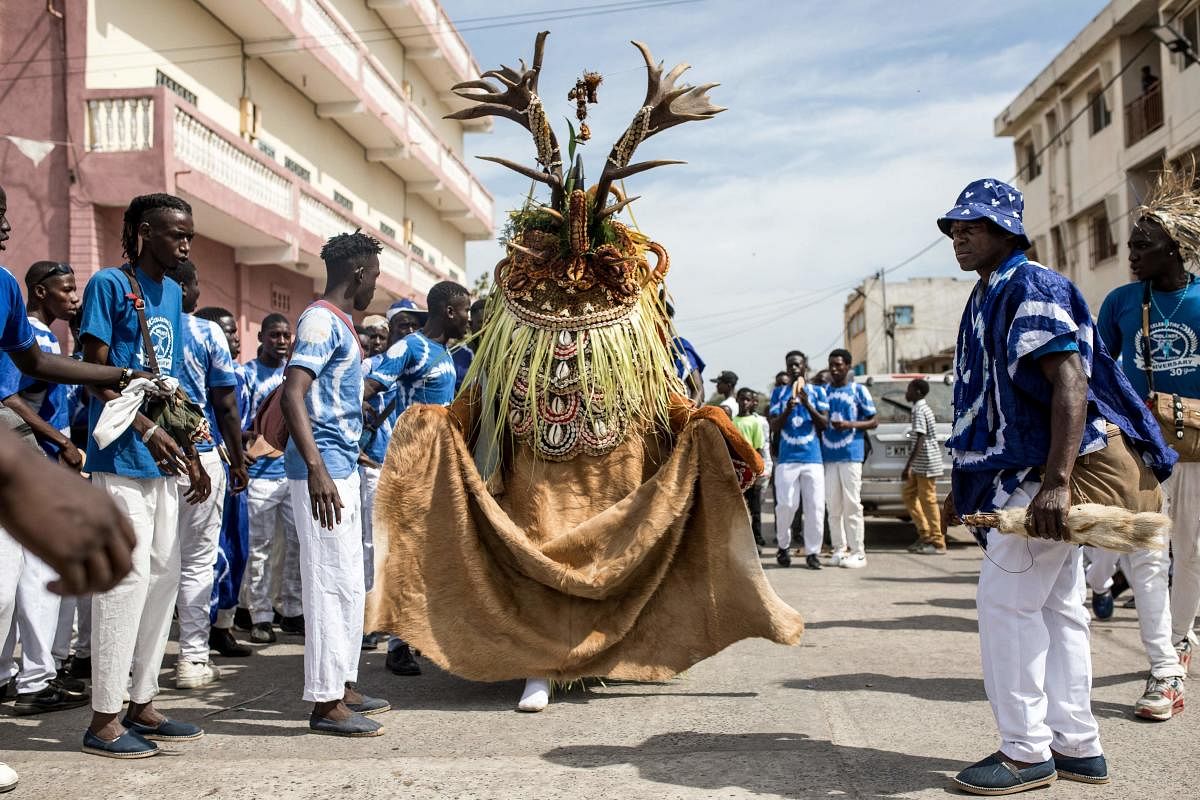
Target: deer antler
column 513, row 95
column 665, row 107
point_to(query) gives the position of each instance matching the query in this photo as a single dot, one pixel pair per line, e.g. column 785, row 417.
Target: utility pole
column 889, row 330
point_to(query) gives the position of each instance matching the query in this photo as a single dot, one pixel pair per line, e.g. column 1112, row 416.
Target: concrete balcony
column 1144, row 115
column 309, row 44
column 150, row 140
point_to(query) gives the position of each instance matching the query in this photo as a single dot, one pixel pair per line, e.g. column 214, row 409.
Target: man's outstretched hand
column 62, row 519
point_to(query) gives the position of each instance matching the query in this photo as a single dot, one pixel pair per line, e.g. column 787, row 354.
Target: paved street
column 883, row 698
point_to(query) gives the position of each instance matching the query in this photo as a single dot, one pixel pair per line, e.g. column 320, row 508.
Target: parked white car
column 888, row 445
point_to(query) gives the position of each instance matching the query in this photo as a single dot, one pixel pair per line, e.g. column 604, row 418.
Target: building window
column 1027, row 157
column 161, row 79
column 858, row 323
column 418, row 251
column 387, row 230
column 1100, row 115
column 1060, row 249
column 1191, row 32
column 281, row 298
column 903, row 315
column 296, row 168
column 1104, row 246
column 266, row 148
column 342, row 200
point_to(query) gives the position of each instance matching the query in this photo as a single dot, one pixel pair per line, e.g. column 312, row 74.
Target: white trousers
column 199, row 537
column 843, row 493
column 796, row 483
column 1183, row 505
column 34, row 621
column 269, row 506
column 130, row 622
column 1033, row 636
column 1146, row 571
column 74, row 634
column 331, row 576
column 369, row 476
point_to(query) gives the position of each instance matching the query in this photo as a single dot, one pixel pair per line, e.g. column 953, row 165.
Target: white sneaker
column 8, row 778
column 535, row 697
column 194, row 674
column 854, row 561
column 836, row 559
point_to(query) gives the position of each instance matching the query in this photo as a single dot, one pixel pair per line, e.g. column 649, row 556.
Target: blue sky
column 851, row 126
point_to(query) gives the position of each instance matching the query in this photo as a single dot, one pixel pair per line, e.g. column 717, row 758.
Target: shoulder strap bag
column 1178, row 416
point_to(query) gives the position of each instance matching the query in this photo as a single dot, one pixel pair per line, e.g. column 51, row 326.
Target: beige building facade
column 1090, row 132
column 904, row 326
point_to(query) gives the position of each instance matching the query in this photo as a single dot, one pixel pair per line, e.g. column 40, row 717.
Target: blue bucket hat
column 404, row 304
column 993, row 200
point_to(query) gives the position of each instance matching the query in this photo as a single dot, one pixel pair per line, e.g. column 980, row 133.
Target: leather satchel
column 1178, row 416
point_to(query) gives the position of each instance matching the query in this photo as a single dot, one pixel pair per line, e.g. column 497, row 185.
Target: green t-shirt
column 751, row 427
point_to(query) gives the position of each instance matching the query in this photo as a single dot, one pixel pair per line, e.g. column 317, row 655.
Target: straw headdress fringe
column 1175, row 204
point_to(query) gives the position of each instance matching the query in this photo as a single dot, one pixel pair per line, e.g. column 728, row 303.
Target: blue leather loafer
column 169, row 730
column 129, row 744
column 1102, row 604
column 370, row 705
column 997, row 775
column 1093, row 769
column 356, row 725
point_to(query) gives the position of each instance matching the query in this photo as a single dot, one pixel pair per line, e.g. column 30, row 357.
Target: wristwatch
column 126, row 377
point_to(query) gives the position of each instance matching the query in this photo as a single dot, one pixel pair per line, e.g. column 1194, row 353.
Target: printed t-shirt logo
column 1173, row 346
column 162, row 336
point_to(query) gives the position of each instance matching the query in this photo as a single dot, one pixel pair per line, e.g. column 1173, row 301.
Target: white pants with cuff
column 269, row 506
column 331, row 575
column 1183, row 506
column 796, row 483
column 843, row 499
column 131, row 621
column 369, row 476
column 199, row 537
column 1146, row 571
column 34, row 621
column 1033, row 636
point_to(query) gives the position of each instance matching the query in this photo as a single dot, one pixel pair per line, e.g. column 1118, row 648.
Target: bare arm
column 322, row 491
column 45, row 432
column 695, row 386
column 918, row 440
column 820, row 421
column 1068, row 412
column 52, row 368
column 224, row 403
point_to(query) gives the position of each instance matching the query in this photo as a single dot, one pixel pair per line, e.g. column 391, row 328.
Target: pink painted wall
column 33, row 106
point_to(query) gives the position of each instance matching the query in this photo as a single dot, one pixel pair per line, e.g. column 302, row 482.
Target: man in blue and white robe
column 1033, row 392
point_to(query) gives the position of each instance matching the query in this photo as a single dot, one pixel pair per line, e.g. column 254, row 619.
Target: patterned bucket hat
column 993, row 200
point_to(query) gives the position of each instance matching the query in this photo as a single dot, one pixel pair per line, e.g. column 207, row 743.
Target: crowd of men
column 237, row 497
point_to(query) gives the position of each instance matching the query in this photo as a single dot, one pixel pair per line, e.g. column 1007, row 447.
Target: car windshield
column 889, row 400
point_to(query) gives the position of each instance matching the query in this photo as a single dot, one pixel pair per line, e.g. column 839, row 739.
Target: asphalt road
column 883, row 698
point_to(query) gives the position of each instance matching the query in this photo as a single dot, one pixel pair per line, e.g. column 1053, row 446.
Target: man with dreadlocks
column 1154, row 324
column 322, row 404
column 598, row 527
column 1042, row 419
column 139, row 470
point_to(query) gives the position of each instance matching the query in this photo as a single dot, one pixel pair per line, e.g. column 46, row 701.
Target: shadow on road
column 919, row 622
column 963, row 603
column 955, row 577
column 785, row 764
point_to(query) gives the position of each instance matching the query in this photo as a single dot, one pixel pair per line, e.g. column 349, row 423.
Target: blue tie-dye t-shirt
column 421, row 366
column 1001, row 433
column 260, row 381
column 15, row 333
column 852, row 403
column 327, row 347
column 798, row 439
column 206, row 365
column 109, row 316
column 50, row 401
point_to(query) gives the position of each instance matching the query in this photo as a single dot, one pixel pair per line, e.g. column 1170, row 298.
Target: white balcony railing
column 213, row 155
column 328, row 36
column 456, row 173
column 392, row 262
column 120, row 124
column 378, row 89
column 320, row 219
column 422, row 278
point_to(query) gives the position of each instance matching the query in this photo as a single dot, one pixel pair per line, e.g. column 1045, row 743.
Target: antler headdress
column 1175, row 204
column 576, row 345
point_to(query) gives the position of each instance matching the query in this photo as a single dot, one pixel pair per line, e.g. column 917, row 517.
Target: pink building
column 281, row 121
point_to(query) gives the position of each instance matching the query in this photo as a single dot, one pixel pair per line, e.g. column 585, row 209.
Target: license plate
column 897, row 450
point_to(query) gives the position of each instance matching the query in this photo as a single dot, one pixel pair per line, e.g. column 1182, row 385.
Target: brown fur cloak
column 635, row 565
